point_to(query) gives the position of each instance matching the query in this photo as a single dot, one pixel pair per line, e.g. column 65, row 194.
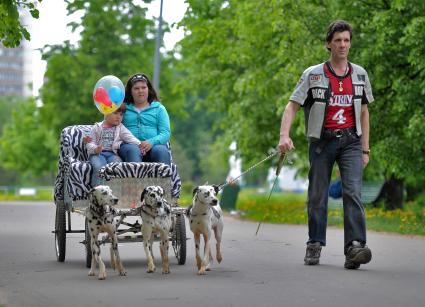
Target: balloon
column 116, row 94
column 108, row 94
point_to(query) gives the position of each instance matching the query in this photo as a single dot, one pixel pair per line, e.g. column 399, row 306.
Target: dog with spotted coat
column 101, row 218
column 156, row 217
column 205, row 216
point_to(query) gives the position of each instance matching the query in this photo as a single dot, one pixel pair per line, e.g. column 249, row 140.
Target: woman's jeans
column 346, row 151
column 132, row 153
column 97, row 161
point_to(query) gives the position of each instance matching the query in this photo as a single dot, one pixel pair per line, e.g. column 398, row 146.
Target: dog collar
column 144, row 207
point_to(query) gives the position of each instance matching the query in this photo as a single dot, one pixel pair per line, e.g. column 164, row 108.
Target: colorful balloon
column 108, row 94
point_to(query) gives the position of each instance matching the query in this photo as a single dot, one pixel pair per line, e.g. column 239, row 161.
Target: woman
column 148, row 120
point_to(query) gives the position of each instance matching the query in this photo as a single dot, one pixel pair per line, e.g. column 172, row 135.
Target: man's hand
column 98, row 149
column 145, row 146
column 365, row 160
column 285, row 144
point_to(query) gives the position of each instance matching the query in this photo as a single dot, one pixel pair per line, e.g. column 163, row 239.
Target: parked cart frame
column 127, row 181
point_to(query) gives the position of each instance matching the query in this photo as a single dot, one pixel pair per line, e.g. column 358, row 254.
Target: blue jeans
column 346, row 151
column 97, row 161
column 158, row 153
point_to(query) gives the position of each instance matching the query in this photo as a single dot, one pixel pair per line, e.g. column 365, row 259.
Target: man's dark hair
column 338, row 26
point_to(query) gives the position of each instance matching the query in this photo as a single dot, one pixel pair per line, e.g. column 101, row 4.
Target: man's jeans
column 158, row 153
column 347, row 152
column 97, row 161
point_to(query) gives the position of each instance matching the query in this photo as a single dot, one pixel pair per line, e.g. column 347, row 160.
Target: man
column 335, row 97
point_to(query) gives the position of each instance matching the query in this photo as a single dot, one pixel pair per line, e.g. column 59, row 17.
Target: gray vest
column 313, row 92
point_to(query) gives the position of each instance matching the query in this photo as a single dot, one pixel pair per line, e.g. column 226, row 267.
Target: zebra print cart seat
column 74, row 170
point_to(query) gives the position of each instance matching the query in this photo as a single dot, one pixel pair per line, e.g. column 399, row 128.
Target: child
column 104, row 141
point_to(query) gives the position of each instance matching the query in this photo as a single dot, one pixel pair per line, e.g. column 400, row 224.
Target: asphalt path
column 263, row 270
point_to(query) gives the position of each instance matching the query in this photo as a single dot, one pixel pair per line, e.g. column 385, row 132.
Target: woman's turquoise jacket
column 151, row 124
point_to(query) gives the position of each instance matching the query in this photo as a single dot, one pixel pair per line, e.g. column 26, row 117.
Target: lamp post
column 157, row 58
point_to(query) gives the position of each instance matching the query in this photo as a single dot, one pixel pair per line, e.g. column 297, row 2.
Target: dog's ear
column 161, row 190
column 142, row 196
column 167, row 207
column 216, row 188
column 195, row 190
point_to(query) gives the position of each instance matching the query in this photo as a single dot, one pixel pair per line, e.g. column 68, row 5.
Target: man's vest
column 313, row 92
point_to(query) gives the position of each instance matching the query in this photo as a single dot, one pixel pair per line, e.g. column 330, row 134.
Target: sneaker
column 356, row 255
column 312, row 253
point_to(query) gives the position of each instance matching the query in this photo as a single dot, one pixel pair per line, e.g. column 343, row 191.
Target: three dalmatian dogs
column 204, row 214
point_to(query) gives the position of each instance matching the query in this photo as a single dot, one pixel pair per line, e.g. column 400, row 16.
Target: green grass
column 290, row 208
column 41, row 194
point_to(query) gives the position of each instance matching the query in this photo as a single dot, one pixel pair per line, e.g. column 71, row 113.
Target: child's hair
column 121, row 109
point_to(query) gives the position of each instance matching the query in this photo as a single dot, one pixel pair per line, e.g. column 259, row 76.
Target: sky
column 51, row 28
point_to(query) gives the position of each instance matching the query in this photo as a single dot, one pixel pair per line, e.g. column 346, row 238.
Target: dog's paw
column 151, row 269
column 102, row 276
column 166, row 271
column 201, row 271
column 91, row 273
column 123, row 273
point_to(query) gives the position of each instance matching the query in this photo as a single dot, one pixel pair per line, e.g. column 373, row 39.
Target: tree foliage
column 391, row 47
column 11, row 28
column 248, row 55
column 117, row 39
column 24, row 146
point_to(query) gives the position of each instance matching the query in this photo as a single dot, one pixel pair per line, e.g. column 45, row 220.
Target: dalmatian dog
column 100, row 216
column 156, row 217
column 205, row 216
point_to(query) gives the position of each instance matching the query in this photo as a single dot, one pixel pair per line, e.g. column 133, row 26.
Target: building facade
column 16, row 67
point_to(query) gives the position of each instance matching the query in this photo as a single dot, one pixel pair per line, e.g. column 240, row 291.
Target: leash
column 274, row 153
column 283, row 157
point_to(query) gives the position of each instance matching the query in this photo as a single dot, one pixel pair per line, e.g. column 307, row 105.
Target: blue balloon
column 116, row 94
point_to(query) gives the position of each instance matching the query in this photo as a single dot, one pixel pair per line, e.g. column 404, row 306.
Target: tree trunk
column 392, row 193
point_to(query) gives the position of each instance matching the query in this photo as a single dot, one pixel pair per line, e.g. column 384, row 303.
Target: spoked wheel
column 179, row 239
column 88, row 245
column 60, row 232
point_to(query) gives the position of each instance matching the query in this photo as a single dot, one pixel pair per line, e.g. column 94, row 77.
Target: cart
column 127, row 181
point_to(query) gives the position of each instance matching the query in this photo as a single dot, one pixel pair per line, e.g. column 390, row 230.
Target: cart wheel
column 88, row 246
column 60, row 232
column 179, row 239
